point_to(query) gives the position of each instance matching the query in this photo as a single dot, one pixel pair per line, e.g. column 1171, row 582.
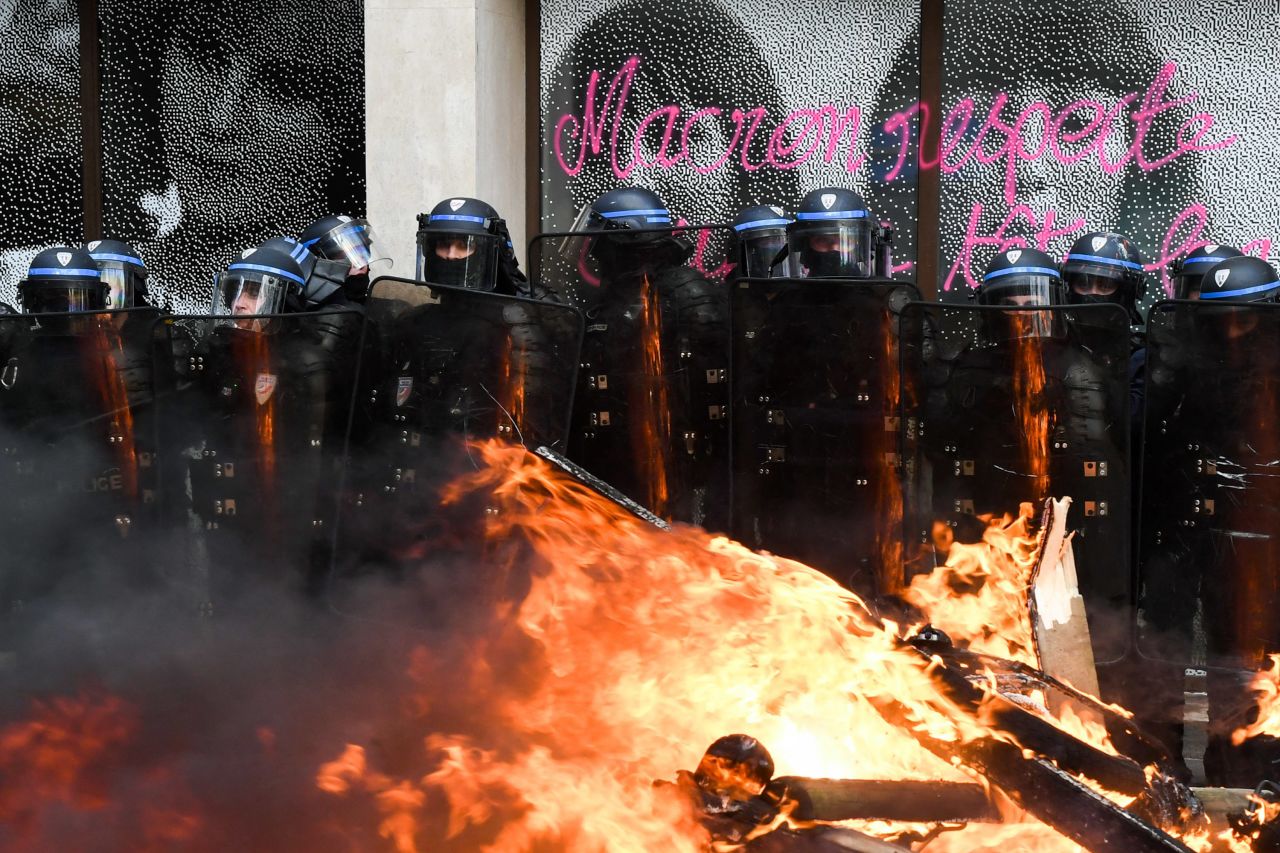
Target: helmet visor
column 242, row 294
column 832, row 250
column 353, row 242
column 119, row 282
column 1021, row 288
column 764, row 254
column 458, row 259
column 61, row 300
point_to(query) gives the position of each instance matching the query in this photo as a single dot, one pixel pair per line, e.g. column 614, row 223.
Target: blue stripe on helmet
column 299, row 253
column 62, row 271
column 111, row 256
column 1245, row 291
column 457, row 217
column 618, row 214
column 267, row 269
column 761, row 223
column 1207, row 259
column 1021, row 270
column 1097, row 259
column 312, row 241
column 662, row 220
column 833, row 214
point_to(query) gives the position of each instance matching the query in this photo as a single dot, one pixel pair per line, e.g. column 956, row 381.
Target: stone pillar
column 445, row 116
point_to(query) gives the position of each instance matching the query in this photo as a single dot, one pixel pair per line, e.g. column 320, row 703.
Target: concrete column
column 444, row 112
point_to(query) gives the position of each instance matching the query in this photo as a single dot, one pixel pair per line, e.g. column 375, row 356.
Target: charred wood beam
column 1115, row 773
column 1059, row 800
column 1039, row 782
column 1129, row 739
column 910, row 801
column 591, row 481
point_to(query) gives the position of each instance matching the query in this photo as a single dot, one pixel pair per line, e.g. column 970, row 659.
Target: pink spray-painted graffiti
column 1079, row 134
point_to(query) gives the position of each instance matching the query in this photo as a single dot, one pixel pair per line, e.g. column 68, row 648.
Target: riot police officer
column 123, row 271
column 463, row 242
column 1029, row 411
column 650, row 413
column 1105, row 268
column 70, row 395
column 1210, row 524
column 62, row 279
column 263, row 425
column 835, row 236
column 760, row 241
column 348, row 242
column 1187, row 271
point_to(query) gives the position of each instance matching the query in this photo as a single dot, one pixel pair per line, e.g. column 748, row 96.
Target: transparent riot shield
column 475, row 365
column 1209, row 547
column 77, row 453
column 1005, row 405
column 651, row 410
column 815, row 424
column 459, row 367
column 253, row 415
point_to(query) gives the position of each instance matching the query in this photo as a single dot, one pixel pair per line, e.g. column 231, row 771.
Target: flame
column 1029, row 385
column 1266, row 684
column 651, row 438
column 59, row 760
column 888, row 506
column 650, row 645
column 252, row 355
column 103, row 357
column 979, row 597
column 513, row 402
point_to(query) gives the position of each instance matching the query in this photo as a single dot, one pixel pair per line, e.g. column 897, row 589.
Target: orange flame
column 103, row 357
column 513, row 383
column 252, row 354
column 1266, row 684
column 889, row 488
column 651, row 438
column 1029, row 385
column 653, row 644
column 979, row 597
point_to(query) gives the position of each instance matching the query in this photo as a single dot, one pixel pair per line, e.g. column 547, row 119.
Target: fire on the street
column 648, row 645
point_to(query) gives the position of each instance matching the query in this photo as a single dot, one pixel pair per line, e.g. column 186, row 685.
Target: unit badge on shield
column 1098, row 243
column 1220, row 277
column 264, row 387
column 828, row 199
column 404, row 387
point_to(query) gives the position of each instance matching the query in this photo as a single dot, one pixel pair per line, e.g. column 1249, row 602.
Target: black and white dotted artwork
column 717, row 105
column 1151, row 118
column 41, row 194
column 225, row 123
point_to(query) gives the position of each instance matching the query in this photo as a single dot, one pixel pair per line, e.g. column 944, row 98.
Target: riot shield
column 459, row 366
column 1005, row 405
column 651, row 410
column 252, row 421
column 77, row 483
column 815, row 424
column 1209, row 511
column 476, row 365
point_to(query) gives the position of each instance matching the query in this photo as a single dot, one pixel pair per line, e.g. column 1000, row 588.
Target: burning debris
column 559, row 719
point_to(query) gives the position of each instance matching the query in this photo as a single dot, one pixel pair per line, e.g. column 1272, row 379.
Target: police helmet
column 262, row 281
column 760, row 241
column 122, row 270
column 1187, row 272
column 458, row 244
column 1241, row 279
column 832, row 236
column 1105, row 268
column 62, row 279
